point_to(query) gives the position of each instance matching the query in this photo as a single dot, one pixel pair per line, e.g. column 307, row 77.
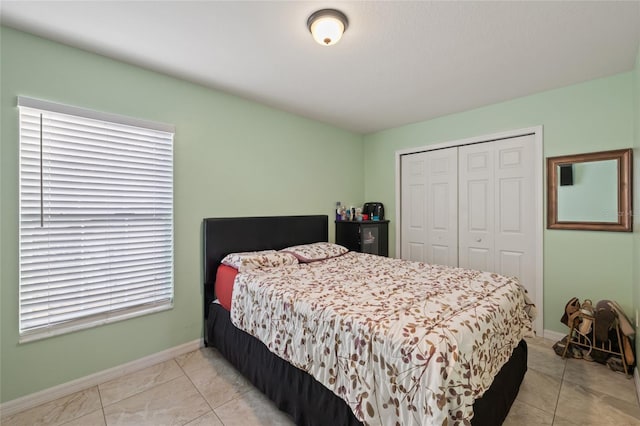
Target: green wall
column 232, row 158
column 592, row 116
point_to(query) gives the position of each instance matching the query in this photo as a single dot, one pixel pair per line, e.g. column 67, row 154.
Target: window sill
column 45, row 333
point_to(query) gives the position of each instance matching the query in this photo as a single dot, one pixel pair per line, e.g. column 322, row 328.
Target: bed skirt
column 309, row 403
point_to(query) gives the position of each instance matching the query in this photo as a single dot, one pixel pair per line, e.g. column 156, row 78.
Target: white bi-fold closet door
column 429, row 206
column 497, row 207
column 472, row 206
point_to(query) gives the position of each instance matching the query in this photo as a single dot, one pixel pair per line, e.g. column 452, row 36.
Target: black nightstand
column 370, row 236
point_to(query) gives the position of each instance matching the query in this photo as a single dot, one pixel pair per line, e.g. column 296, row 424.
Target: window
column 96, row 218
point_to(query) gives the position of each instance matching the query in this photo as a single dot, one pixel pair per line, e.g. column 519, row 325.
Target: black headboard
column 235, row 234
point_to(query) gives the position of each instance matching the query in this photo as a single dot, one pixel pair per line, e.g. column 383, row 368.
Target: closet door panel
column 510, row 204
column 415, row 252
column 515, row 218
column 476, row 225
column 511, row 263
column 442, row 199
column 477, row 258
column 413, row 200
column 477, row 205
column 429, row 198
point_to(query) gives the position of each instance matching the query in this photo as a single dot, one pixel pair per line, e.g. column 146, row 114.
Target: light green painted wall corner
column 636, row 197
column 588, row 117
column 232, row 158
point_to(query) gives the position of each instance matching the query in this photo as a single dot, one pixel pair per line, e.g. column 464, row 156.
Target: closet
column 474, row 206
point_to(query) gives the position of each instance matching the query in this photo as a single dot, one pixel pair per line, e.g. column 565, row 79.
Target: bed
column 292, row 389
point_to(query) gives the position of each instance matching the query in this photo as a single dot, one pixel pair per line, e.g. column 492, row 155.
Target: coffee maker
column 375, row 210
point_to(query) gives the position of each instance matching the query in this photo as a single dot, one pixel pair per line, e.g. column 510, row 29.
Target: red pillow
column 225, row 278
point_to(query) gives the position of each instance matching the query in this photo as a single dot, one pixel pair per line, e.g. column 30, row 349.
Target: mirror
column 590, row 191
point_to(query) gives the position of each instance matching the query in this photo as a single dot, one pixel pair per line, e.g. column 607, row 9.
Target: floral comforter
column 401, row 342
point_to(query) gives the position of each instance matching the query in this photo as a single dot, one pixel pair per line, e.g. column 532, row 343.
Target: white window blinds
column 96, row 218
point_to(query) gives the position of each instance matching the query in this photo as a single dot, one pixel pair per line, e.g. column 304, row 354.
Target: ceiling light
column 327, row 26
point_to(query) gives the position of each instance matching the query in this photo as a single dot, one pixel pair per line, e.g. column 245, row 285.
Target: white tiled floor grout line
column 199, row 392
column 555, row 408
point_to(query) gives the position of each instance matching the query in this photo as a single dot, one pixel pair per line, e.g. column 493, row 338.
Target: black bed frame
column 294, row 391
column 237, row 234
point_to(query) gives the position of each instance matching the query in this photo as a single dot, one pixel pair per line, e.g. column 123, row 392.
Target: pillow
column 306, row 253
column 245, row 261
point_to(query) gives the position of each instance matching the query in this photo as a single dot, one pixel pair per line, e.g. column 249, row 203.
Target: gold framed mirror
column 590, row 191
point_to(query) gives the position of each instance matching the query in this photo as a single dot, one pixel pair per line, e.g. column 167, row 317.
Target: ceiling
column 398, row 62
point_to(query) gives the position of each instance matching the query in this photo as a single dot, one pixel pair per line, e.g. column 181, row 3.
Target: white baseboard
column 636, row 379
column 554, row 335
column 41, row 397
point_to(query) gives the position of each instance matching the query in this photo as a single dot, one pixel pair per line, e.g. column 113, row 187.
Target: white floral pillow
column 316, row 251
column 245, row 261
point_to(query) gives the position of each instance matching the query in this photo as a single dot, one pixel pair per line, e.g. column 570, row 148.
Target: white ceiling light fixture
column 327, row 25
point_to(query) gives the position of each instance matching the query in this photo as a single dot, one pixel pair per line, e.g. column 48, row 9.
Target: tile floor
column 200, row 388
